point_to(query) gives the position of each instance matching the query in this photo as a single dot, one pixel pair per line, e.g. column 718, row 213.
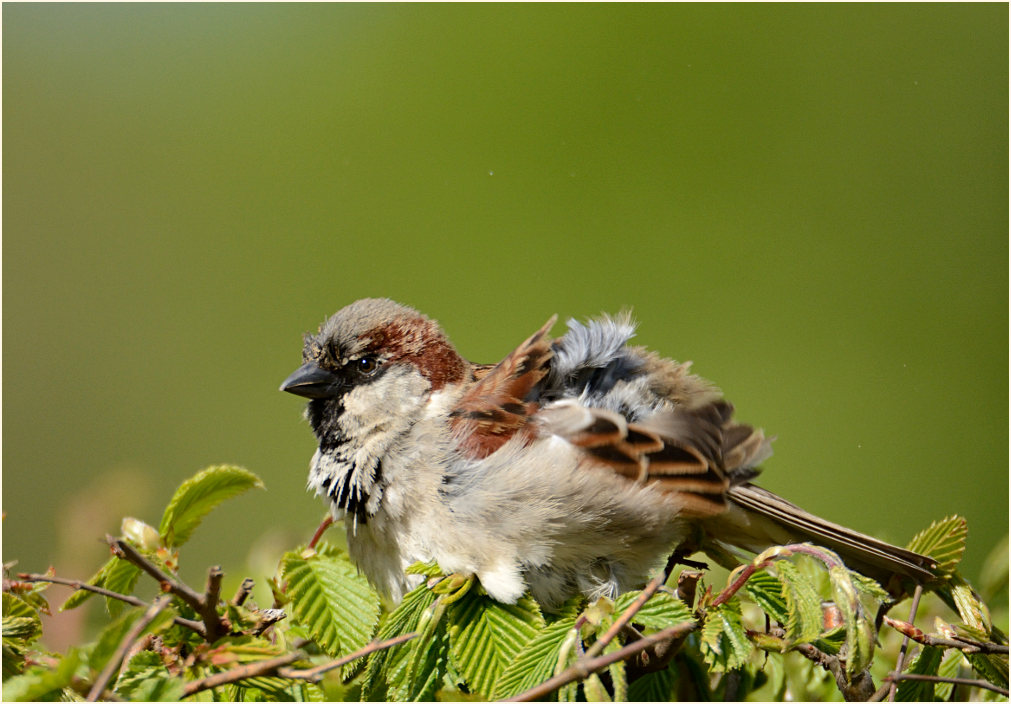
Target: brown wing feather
column 495, row 408
column 683, row 452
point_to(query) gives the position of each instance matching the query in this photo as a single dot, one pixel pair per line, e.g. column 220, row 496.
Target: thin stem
column 584, row 667
column 112, row 667
column 901, row 662
column 626, row 616
column 315, row 674
column 132, row 600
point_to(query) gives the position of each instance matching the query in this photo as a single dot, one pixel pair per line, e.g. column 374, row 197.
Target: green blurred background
column 810, row 201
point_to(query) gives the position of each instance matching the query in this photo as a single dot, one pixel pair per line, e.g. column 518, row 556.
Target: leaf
column 110, row 638
column 145, row 678
column 116, row 575
column 866, row 585
column 661, row 611
column 859, row 633
column 971, row 610
column 429, row 658
column 950, row 666
column 992, row 666
column 20, row 619
column 944, row 541
column 925, row 663
column 42, row 683
column 767, row 591
column 619, row 676
column 803, row 606
column 197, row 496
column 485, row 635
column 428, row 569
column 403, row 620
column 725, row 643
column 536, row 661
column 331, row 599
column 654, row 687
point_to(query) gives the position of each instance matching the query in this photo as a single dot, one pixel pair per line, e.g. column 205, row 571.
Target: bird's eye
column 366, row 366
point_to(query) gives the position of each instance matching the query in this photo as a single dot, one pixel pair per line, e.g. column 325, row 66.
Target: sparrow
column 574, row 465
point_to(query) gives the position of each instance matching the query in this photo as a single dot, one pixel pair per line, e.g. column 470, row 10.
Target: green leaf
column 145, row 678
column 803, row 605
column 404, row 619
column 331, row 599
column 537, row 660
column 725, row 643
column 429, row 658
column 20, row 619
column 42, row 683
column 992, row 666
column 950, row 666
column 767, row 591
column 866, row 585
column 654, row 687
column 110, row 638
column 594, row 690
column 926, row 663
column 944, row 541
column 661, row 611
column 428, row 569
column 115, row 575
column 485, row 635
column 859, row 633
column 619, row 676
column 197, row 496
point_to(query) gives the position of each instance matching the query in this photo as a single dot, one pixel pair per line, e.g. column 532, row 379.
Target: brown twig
column 966, row 645
column 259, row 668
column 112, row 667
column 205, row 605
column 625, row 617
column 982, row 684
column 209, row 607
column 315, row 674
column 127, row 552
column 757, row 564
column 584, row 667
column 132, row 600
column 901, row 662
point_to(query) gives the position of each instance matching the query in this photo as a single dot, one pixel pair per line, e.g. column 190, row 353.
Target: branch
column 766, row 559
column 901, row 662
column 209, row 610
column 214, row 625
column 125, row 551
column 966, row 645
column 315, row 674
column 625, row 617
column 254, row 669
column 584, row 667
column 132, row 600
column 112, row 667
column 982, row 684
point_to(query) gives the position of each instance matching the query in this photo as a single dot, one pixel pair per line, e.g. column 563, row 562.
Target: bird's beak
column 312, row 381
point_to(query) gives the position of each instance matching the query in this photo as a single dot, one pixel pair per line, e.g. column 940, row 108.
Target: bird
column 575, row 465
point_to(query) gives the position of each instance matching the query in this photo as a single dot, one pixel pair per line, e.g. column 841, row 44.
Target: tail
column 758, row 519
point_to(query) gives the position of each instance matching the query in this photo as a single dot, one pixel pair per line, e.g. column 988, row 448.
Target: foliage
column 791, row 624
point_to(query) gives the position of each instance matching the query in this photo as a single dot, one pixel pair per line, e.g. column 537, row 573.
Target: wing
column 498, row 404
column 684, row 452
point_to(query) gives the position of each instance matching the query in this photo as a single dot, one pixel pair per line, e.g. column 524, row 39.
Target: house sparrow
column 573, row 465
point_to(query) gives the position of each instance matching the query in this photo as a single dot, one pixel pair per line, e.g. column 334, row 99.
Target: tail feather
column 873, row 557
